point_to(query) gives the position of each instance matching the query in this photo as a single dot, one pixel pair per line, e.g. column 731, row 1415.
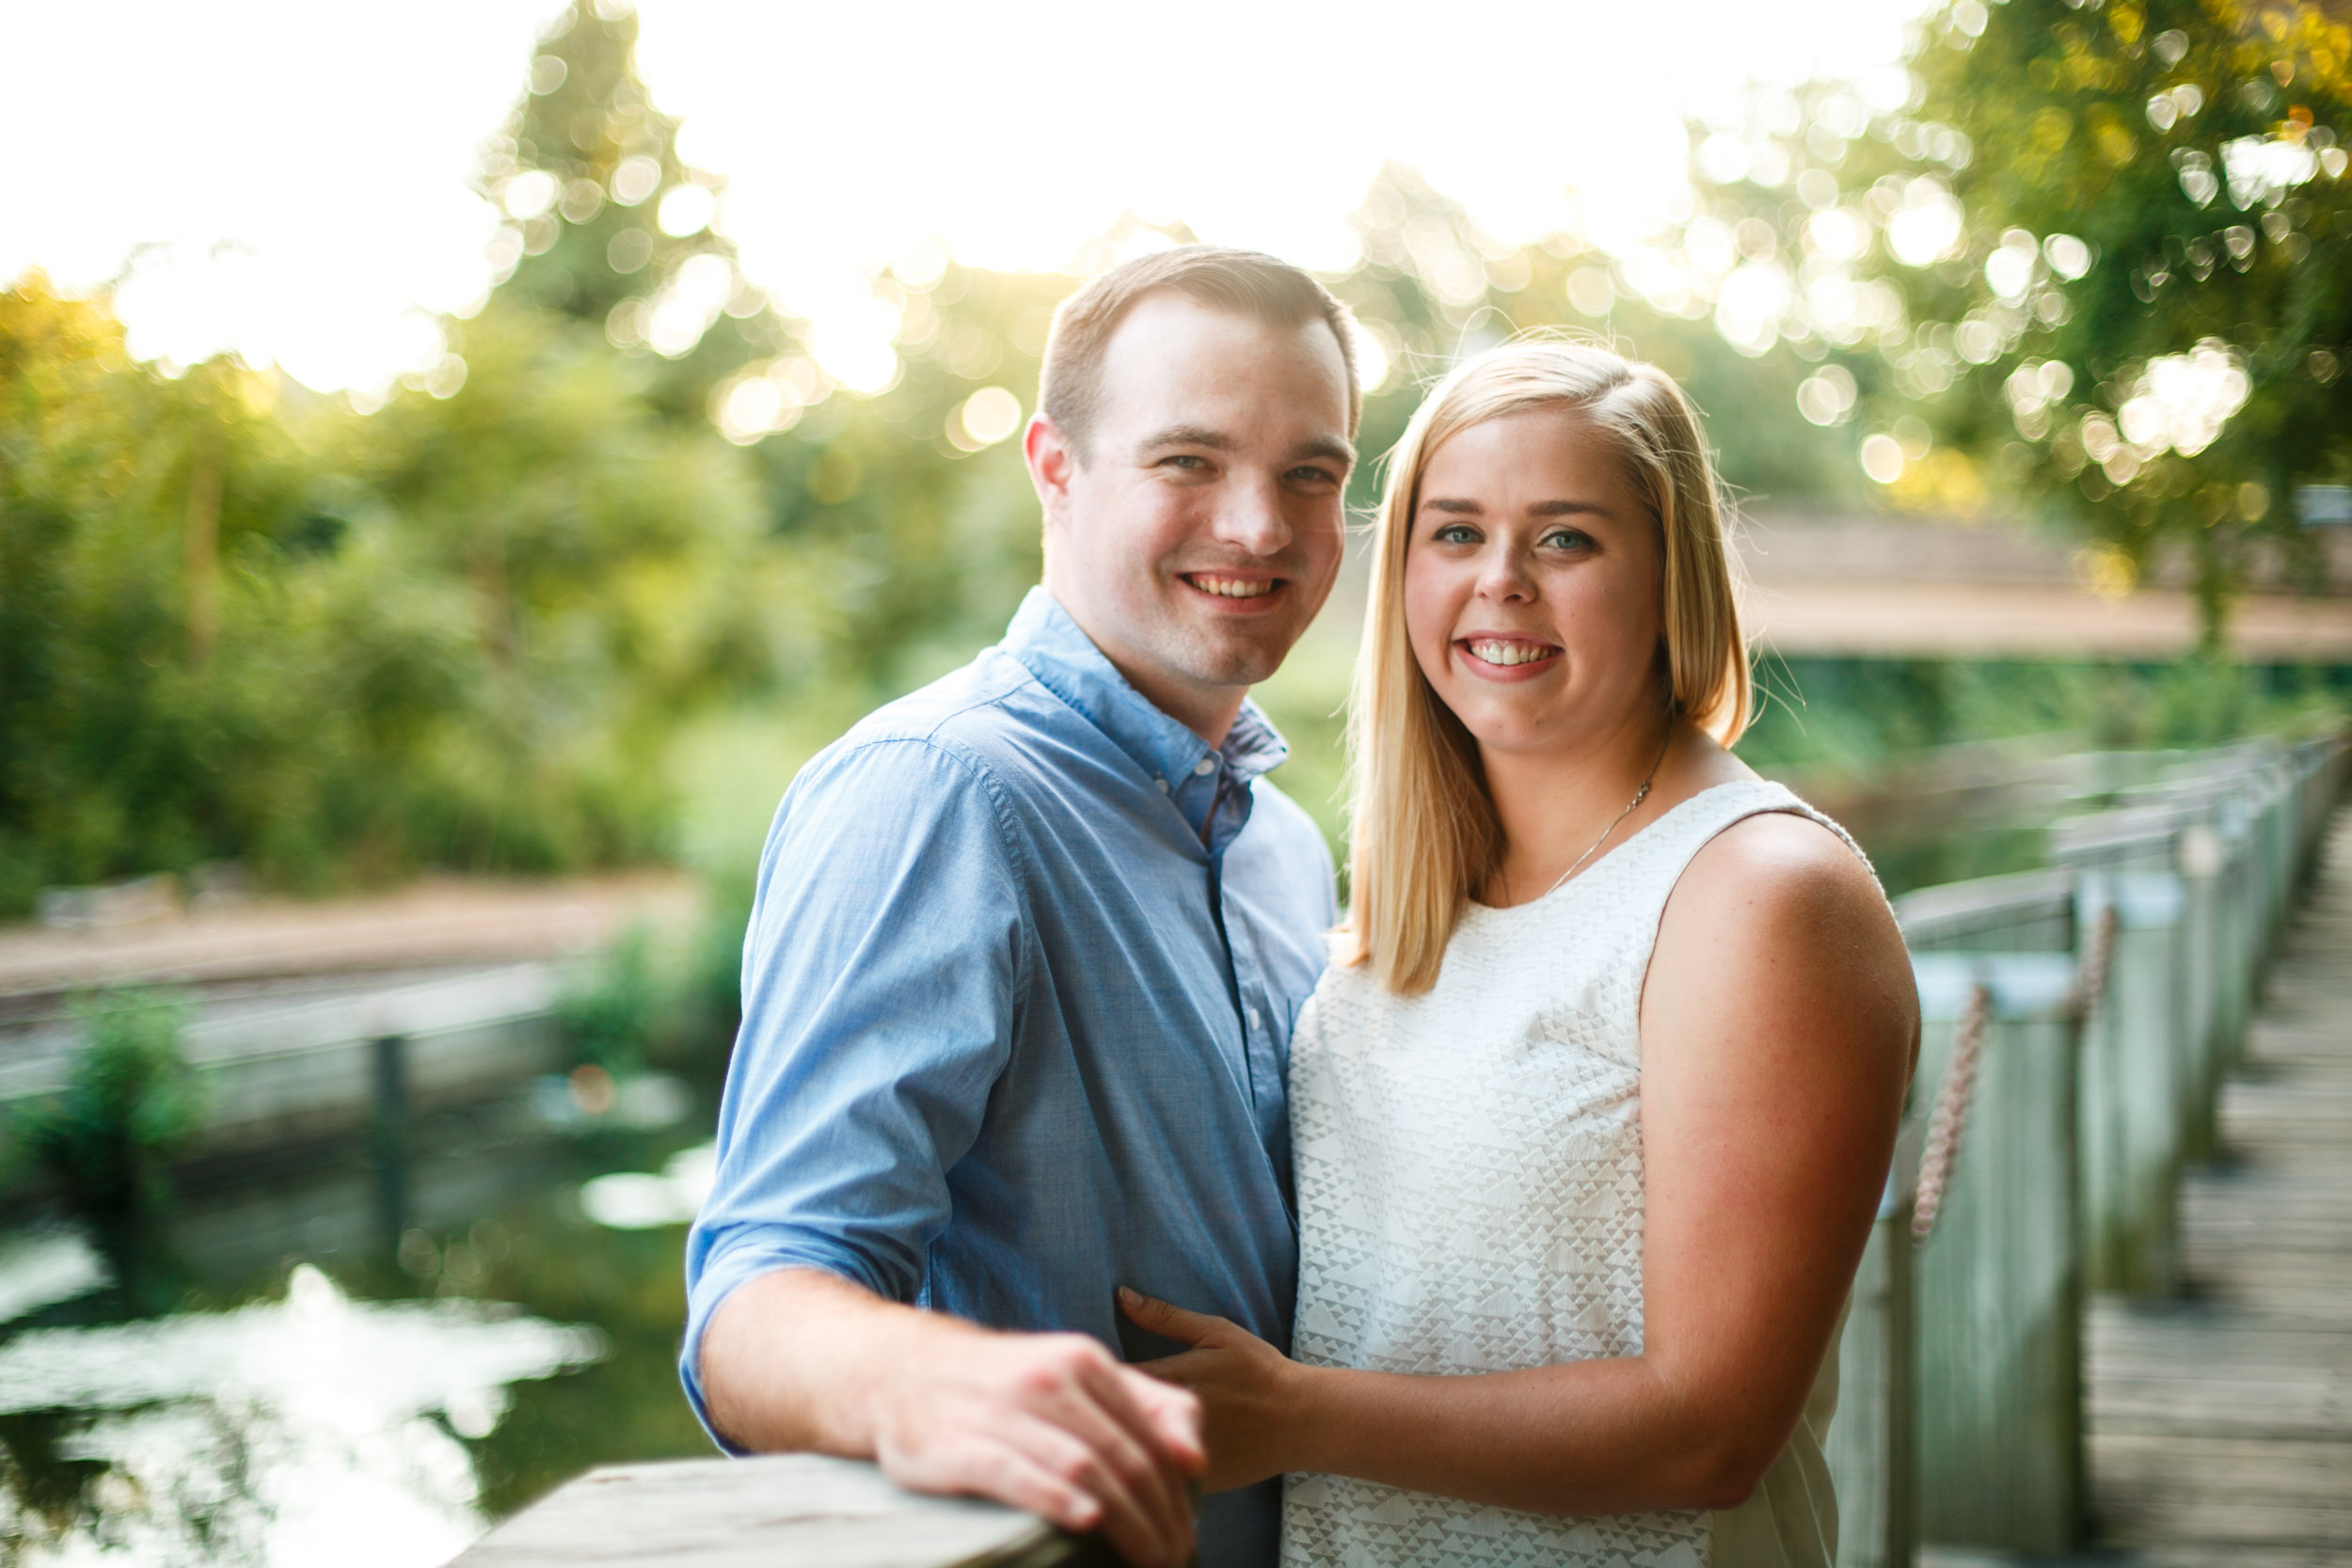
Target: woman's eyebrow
column 1465, row 507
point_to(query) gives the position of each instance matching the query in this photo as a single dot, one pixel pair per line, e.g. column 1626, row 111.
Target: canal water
column 330, row 1361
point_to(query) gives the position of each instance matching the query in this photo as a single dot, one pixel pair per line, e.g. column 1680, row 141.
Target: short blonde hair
column 1424, row 831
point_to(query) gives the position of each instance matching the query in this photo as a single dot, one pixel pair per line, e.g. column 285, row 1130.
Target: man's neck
column 1207, row 711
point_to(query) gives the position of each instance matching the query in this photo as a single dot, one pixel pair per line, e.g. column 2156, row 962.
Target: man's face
column 1199, row 529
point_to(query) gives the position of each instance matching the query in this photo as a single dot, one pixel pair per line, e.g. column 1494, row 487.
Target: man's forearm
column 791, row 1361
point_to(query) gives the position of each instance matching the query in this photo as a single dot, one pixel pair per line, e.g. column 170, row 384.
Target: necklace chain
column 1639, row 796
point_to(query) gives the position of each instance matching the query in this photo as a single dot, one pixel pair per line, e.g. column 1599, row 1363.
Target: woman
column 1595, row 1107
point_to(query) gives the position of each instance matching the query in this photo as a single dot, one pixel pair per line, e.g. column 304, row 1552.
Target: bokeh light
column 986, row 418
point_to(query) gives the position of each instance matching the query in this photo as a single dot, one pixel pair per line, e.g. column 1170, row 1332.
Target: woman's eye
column 1456, row 533
column 1567, row 539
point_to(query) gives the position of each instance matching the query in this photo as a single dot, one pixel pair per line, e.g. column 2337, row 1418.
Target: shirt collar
column 1053, row 647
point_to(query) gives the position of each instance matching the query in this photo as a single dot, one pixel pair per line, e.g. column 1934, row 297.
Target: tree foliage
column 460, row 628
column 2183, row 158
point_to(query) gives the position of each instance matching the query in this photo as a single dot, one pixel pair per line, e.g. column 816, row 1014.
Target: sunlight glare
column 1088, row 119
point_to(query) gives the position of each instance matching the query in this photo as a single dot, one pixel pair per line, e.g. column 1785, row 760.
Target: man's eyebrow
column 1331, row 448
column 1187, row 435
column 1325, row 445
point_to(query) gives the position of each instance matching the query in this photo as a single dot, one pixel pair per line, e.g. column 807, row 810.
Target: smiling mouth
column 1507, row 653
column 1226, row 586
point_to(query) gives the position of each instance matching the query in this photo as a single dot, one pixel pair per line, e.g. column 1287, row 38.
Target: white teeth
column 1233, row 588
column 1509, row 653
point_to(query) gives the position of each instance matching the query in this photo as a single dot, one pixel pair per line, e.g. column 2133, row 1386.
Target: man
column 1028, row 944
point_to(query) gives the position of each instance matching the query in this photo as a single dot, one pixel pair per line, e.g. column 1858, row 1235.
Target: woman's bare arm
column 1777, row 1027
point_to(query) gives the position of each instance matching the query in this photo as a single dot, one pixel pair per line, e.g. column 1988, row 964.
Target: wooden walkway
column 2221, row 1424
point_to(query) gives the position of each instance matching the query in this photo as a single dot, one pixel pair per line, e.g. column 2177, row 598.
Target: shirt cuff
column 729, row 1269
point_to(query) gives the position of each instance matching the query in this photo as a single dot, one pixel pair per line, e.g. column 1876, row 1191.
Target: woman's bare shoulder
column 1778, row 897
column 1782, row 854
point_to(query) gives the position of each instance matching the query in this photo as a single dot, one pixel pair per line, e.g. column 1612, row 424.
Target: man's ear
column 1053, row 462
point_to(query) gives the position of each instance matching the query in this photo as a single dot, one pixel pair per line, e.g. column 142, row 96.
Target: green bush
column 620, row 1012
column 130, row 1103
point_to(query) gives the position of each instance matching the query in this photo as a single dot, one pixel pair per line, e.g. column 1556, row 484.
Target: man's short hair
column 1245, row 282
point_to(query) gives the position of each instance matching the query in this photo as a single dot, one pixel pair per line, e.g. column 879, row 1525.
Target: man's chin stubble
column 1225, row 663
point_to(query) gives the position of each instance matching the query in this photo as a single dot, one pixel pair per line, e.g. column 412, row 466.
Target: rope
column 1954, row 1095
column 2091, row 980
column 1951, row 1110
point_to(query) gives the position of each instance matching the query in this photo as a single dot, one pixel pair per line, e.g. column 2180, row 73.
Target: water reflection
column 312, row 1430
column 263, row 1377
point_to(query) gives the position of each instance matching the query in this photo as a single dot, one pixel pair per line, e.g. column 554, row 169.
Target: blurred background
column 455, row 464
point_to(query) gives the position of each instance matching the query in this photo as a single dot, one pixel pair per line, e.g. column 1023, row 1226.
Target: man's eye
column 1185, row 460
column 1310, row 474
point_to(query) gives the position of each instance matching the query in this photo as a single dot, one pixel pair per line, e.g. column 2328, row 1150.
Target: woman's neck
column 1554, row 805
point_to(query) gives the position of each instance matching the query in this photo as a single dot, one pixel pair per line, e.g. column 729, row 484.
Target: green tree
column 2133, row 310
column 237, row 620
column 608, row 228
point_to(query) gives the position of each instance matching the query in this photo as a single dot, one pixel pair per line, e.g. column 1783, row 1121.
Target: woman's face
column 1533, row 583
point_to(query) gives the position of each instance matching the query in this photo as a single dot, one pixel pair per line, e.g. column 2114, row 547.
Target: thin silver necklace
column 1639, row 796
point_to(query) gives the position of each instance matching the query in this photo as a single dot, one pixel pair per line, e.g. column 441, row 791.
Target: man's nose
column 1250, row 516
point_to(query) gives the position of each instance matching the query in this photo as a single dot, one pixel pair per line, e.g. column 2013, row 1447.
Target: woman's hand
column 1248, row 1390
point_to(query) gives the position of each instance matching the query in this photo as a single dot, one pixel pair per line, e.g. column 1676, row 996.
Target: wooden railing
column 2115, row 992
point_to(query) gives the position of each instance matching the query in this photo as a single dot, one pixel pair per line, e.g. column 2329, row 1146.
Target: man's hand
column 1047, row 1422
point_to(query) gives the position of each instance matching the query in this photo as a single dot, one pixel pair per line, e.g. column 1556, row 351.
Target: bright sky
column 299, row 171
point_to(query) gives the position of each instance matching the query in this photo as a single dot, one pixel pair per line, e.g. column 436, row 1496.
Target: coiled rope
column 2091, row 980
column 1951, row 1110
column 1953, row 1096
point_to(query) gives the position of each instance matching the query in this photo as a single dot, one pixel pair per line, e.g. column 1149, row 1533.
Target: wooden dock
column 2220, row 1423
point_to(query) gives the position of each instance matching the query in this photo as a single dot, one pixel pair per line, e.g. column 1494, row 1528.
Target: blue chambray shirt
column 1017, row 1000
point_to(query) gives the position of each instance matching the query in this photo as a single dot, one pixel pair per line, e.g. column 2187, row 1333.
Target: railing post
column 1998, row 1284
column 2137, row 1084
column 389, row 1054
column 1870, row 1443
column 2200, row 857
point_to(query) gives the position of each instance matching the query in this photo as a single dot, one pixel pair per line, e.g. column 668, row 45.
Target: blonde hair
column 1424, row 831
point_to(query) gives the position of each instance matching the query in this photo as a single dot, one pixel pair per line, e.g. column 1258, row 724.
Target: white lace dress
column 1470, row 1200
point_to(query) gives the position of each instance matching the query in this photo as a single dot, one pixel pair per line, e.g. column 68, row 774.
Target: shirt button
column 1205, row 766
column 1162, row 783
column 1253, row 1018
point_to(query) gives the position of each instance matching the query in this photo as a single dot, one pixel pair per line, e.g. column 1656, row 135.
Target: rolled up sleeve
column 881, row 973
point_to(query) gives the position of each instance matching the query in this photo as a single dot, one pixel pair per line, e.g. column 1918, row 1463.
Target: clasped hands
column 1054, row 1424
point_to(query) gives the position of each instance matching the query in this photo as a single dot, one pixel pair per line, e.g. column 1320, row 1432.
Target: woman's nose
column 1503, row 575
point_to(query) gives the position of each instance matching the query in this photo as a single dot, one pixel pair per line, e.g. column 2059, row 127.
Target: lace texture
column 1471, row 1191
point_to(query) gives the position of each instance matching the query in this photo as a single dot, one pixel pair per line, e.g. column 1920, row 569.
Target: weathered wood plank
column 2221, row 1428
column 1996, row 1291
column 795, row 1511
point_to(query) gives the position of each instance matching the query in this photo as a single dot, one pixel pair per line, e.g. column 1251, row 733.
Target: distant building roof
column 1865, row 586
